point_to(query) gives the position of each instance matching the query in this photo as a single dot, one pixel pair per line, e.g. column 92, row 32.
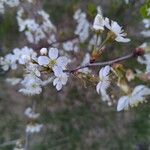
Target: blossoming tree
column 52, row 63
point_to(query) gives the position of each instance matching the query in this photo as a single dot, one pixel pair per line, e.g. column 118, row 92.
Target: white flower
column 116, row 29
column 104, row 82
column 24, row 55
column 34, row 30
column 138, row 95
column 146, row 23
column 9, row 61
column 99, row 22
column 31, row 84
column 53, row 59
column 34, row 128
column 68, row 46
column 61, row 78
column 31, row 114
column 51, row 39
column 146, row 33
column 72, row 45
column 82, row 29
column 12, row 3
column 145, row 60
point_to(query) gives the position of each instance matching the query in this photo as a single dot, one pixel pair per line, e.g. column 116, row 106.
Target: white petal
column 53, row 53
column 62, row 62
column 141, row 90
column 5, row 67
column 107, row 24
column 57, row 71
column 43, row 60
column 59, row 86
column 98, row 22
column 98, row 87
column 123, row 103
column 55, row 81
column 64, row 78
column 105, row 96
column 122, row 39
column 104, row 72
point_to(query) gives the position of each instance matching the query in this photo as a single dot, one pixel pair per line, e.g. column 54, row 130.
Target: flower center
column 52, row 63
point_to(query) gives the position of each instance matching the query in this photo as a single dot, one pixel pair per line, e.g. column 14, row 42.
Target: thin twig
column 26, row 147
column 101, row 63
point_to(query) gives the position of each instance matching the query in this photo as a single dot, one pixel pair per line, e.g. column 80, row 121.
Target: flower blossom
column 61, row 78
column 24, row 55
column 31, row 114
column 35, row 31
column 137, row 95
column 99, row 23
column 31, row 84
column 53, row 60
column 104, row 82
column 82, row 29
column 34, row 128
column 9, row 61
column 116, row 29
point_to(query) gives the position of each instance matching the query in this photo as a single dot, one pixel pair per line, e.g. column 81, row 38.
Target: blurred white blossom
column 104, row 82
column 34, row 128
column 145, row 60
column 82, row 29
column 31, row 114
column 138, row 95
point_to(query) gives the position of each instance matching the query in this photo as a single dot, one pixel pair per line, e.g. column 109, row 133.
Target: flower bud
column 139, row 52
column 130, row 75
column 43, row 51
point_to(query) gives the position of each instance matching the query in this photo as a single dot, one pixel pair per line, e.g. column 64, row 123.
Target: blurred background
column 75, row 118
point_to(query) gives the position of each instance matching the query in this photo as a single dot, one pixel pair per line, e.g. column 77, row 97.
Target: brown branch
column 137, row 52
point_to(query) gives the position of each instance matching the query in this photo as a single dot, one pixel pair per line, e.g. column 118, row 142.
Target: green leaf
column 145, row 10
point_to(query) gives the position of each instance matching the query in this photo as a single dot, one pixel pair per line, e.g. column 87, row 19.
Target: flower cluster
column 36, row 31
column 104, row 83
column 50, row 59
column 53, row 60
column 115, row 29
column 10, row 3
column 32, row 127
column 82, row 29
